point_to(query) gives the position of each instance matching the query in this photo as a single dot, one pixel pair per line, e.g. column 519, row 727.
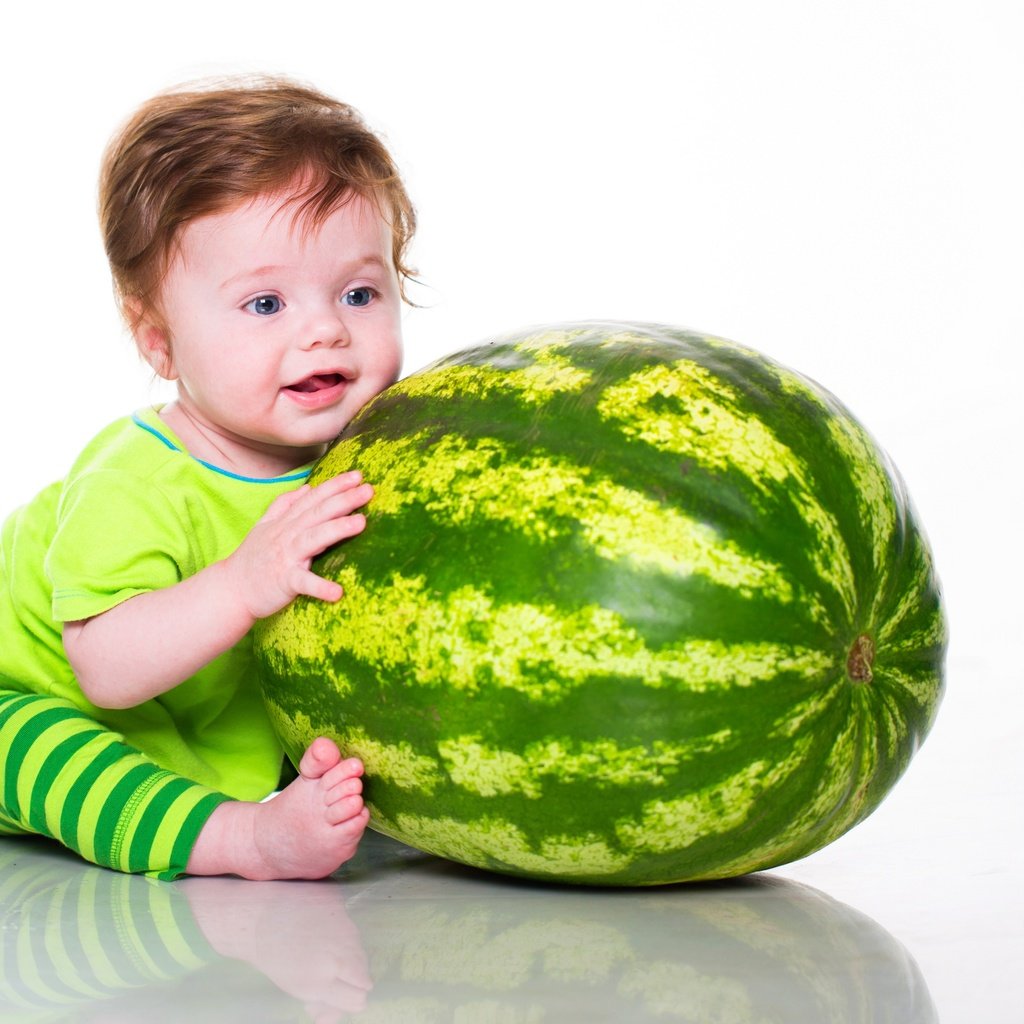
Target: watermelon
column 634, row 605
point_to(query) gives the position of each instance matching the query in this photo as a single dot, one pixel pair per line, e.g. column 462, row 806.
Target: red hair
column 202, row 149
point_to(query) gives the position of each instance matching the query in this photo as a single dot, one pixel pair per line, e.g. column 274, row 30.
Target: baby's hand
column 272, row 565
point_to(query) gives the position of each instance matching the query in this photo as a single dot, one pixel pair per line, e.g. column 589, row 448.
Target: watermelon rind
column 634, row 605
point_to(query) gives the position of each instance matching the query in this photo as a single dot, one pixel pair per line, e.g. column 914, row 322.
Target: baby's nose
column 327, row 330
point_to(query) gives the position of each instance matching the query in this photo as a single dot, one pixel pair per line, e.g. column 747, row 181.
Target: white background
column 836, row 184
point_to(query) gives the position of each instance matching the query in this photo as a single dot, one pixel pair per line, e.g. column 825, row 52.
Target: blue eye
column 265, row 305
column 358, row 297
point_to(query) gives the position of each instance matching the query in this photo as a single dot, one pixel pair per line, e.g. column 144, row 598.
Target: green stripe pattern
column 77, row 937
column 634, row 605
column 65, row 776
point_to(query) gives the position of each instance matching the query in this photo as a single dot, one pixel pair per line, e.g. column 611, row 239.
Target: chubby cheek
column 391, row 360
column 371, row 385
column 392, row 372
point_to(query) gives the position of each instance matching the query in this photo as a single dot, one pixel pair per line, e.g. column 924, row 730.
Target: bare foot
column 307, row 831
column 297, row 934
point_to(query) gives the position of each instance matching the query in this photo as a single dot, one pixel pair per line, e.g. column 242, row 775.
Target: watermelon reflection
column 440, row 943
column 447, row 943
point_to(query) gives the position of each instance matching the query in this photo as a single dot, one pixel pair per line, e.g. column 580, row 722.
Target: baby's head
column 206, row 149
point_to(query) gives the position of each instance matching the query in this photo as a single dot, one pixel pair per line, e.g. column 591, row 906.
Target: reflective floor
column 915, row 916
column 399, row 936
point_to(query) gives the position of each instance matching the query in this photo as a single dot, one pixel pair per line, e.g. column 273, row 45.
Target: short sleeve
column 117, row 536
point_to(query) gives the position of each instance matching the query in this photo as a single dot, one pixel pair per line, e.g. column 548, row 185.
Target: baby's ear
column 151, row 338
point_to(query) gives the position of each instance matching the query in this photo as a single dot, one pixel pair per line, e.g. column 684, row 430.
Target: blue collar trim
column 216, row 469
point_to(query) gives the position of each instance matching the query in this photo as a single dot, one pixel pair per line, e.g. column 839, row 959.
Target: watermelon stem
column 860, row 659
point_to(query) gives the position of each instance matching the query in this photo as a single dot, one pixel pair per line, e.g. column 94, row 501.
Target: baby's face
column 278, row 332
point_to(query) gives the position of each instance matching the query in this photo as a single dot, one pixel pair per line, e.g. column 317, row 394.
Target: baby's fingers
column 320, row 536
column 316, row 586
column 280, row 506
column 338, row 484
column 335, row 506
column 329, row 500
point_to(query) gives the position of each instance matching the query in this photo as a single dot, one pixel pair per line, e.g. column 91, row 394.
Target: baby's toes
column 320, row 759
column 345, row 788
column 349, row 770
column 345, row 810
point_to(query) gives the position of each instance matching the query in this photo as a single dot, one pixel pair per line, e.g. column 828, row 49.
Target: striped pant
column 65, row 776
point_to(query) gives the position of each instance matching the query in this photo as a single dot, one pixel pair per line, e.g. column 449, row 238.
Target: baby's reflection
column 114, row 947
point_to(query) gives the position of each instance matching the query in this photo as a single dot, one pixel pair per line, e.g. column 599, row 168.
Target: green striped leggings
column 65, row 776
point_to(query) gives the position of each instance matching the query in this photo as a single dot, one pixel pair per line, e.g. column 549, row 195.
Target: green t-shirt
column 138, row 513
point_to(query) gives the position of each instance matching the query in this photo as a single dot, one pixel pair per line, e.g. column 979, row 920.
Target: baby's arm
column 152, row 642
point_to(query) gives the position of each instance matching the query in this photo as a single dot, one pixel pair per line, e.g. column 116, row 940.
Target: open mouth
column 319, row 390
column 318, row 382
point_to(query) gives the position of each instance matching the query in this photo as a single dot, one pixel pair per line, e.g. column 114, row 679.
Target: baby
column 257, row 236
